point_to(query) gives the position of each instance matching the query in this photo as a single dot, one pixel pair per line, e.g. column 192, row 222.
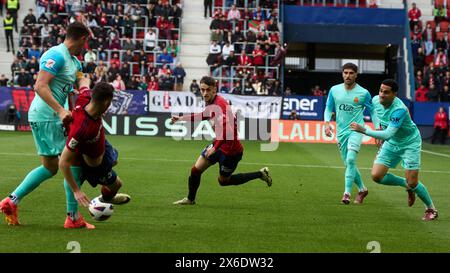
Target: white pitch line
column 434, row 153
column 255, row 163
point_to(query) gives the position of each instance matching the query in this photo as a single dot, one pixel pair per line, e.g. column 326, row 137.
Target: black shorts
column 102, row 174
column 227, row 164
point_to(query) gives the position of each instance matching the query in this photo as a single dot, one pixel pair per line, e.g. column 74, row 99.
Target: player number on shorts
column 74, row 246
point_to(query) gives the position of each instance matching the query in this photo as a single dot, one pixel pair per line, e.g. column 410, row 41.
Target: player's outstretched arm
column 383, row 134
column 65, row 162
column 43, row 89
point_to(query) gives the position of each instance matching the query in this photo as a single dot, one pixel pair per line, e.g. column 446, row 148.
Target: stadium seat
column 443, row 25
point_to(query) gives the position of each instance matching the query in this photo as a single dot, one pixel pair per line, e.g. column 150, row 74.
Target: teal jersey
column 348, row 105
column 397, row 116
column 57, row 61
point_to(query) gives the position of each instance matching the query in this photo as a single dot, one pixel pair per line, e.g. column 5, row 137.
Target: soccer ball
column 100, row 211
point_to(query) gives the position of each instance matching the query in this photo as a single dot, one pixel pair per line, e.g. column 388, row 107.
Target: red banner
column 307, row 131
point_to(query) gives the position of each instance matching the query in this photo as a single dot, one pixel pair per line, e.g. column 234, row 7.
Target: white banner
column 258, row 107
column 175, row 102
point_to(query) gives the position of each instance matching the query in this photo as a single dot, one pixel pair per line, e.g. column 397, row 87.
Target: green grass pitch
column 301, row 212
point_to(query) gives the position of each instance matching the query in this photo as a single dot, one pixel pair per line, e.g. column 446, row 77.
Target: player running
column 402, row 141
column 86, row 146
column 348, row 101
column 226, row 149
column 57, row 75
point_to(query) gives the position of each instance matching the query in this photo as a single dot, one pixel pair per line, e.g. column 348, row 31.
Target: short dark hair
column 102, row 91
column 76, row 31
column 351, row 66
column 392, row 84
column 210, row 81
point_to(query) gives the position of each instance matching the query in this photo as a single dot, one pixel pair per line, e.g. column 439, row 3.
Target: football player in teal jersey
column 348, row 101
column 58, row 72
column 402, row 142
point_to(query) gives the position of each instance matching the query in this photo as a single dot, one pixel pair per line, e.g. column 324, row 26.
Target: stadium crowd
column 430, row 50
column 134, row 43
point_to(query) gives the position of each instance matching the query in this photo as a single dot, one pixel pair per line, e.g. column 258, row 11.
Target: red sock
column 107, row 194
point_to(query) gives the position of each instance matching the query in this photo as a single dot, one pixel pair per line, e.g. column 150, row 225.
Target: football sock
column 72, row 204
column 107, row 194
column 423, row 194
column 194, row 183
column 393, row 180
column 350, row 170
column 241, row 178
column 30, row 182
column 358, row 181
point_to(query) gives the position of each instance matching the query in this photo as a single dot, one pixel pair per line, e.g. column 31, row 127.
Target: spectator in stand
column 445, row 94
column 30, row 19
column 207, row 5
column 128, row 44
column 234, row 15
column 165, row 28
column 113, row 71
column 237, row 90
column 142, row 83
column 293, row 115
column 440, row 126
column 90, row 55
column 288, row 91
column 248, row 89
column 440, row 62
column 439, row 14
column 151, row 69
column 34, row 51
column 165, row 58
column 101, row 70
column 150, row 39
column 179, row 75
column 227, row 49
column 128, row 57
column 195, row 88
column 433, row 93
column 115, row 59
column 419, row 61
column 118, row 83
column 275, row 89
column 125, row 72
column 428, row 38
column 115, row 44
column 23, row 79
column 316, row 91
column 259, row 56
column 153, row 84
column 418, row 79
column 414, row 15
column 3, row 80
column 441, row 43
column 231, row 63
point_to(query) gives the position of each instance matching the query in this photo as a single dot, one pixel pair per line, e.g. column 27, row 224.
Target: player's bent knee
column 376, row 177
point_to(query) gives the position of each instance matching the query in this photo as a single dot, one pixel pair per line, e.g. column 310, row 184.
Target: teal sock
column 393, row 180
column 358, row 181
column 72, row 204
column 350, row 170
column 30, row 182
column 423, row 194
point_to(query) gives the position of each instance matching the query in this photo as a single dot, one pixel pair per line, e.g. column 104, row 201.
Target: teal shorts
column 350, row 141
column 390, row 155
column 49, row 137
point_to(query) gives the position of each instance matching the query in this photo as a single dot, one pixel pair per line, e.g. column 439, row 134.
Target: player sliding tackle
column 86, row 146
column 226, row 149
column 402, row 141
